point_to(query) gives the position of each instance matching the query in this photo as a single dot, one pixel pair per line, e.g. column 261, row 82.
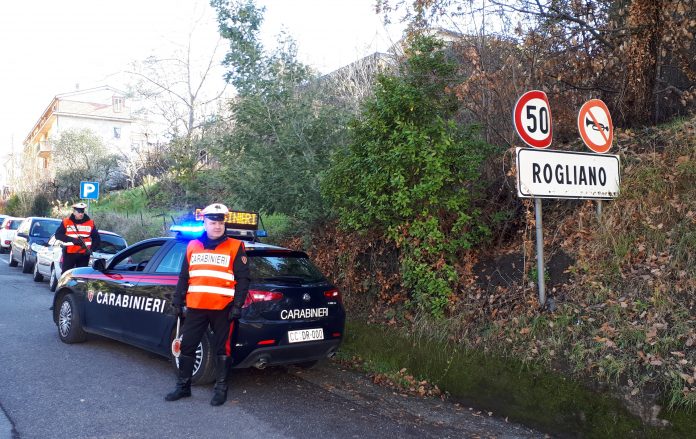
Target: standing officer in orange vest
column 81, row 235
column 213, row 285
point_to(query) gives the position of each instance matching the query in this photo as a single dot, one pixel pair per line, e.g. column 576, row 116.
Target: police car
column 292, row 314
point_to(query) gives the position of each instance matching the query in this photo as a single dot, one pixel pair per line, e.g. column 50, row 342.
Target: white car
column 50, row 257
column 8, row 230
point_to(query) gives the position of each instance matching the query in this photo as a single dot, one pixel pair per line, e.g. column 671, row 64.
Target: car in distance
column 32, row 230
column 49, row 257
column 292, row 315
column 8, row 230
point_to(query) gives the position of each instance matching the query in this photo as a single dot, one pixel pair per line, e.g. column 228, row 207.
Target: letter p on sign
column 89, row 190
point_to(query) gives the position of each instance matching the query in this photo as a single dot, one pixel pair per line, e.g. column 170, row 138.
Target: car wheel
column 69, row 324
column 11, row 260
column 307, row 364
column 38, row 277
column 26, row 268
column 204, row 365
column 52, row 280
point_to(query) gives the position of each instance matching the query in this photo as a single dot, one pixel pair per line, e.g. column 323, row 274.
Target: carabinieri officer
column 213, row 285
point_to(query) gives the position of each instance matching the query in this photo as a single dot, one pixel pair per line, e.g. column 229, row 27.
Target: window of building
column 117, row 132
column 118, row 104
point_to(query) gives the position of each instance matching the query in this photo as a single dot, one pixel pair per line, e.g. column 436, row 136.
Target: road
column 106, row 389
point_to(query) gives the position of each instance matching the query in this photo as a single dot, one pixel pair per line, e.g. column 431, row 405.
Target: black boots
column 183, row 383
column 220, row 395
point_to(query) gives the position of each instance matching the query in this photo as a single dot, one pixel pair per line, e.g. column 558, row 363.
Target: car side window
column 136, row 260
column 24, row 227
column 171, row 262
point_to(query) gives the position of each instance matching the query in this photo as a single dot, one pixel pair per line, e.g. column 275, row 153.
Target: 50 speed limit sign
column 532, row 119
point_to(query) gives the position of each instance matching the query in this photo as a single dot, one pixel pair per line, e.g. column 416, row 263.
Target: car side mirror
column 99, row 264
column 23, row 235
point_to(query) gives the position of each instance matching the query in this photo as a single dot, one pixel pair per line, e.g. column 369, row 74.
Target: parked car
column 292, row 314
column 32, row 230
column 50, row 257
column 8, row 230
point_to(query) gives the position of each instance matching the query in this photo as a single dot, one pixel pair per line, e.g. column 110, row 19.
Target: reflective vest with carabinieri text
column 211, row 278
column 81, row 230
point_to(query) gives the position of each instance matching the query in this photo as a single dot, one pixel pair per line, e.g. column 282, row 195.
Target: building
column 103, row 110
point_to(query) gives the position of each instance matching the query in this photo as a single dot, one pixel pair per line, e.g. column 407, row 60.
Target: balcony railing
column 45, row 148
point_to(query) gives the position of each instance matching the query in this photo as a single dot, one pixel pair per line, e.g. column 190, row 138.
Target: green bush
column 40, row 205
column 14, row 206
column 412, row 172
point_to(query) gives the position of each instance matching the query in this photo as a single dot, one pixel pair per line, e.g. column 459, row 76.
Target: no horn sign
column 595, row 126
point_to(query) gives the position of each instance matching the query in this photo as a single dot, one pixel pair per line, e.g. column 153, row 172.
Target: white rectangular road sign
column 543, row 173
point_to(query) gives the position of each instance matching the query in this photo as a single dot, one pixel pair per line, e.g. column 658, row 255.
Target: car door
column 158, row 283
column 114, row 305
column 20, row 240
column 44, row 256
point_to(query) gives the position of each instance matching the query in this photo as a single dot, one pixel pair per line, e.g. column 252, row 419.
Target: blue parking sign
column 89, row 190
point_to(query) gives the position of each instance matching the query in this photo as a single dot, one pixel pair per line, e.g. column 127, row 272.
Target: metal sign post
column 540, row 252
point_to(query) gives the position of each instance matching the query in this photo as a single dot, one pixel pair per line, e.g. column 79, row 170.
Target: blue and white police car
column 292, row 315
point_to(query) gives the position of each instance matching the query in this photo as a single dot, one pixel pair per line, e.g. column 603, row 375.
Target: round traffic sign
column 532, row 119
column 595, row 126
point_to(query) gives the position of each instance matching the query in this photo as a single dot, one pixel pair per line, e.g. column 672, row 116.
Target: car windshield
column 44, row 229
column 111, row 244
column 291, row 268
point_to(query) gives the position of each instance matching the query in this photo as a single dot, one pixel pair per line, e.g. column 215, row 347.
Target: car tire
column 38, row 277
column 25, row 267
column 69, row 324
column 11, row 260
column 204, row 366
column 52, row 280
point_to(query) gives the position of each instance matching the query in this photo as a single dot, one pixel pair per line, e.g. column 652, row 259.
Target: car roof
column 107, row 232
column 248, row 245
column 41, row 218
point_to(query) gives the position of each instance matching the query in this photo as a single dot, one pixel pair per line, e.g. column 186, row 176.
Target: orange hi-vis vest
column 211, row 278
column 82, row 230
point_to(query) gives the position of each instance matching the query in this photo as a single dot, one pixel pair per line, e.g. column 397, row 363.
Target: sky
column 53, row 47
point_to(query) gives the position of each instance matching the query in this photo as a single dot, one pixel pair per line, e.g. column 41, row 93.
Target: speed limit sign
column 532, row 119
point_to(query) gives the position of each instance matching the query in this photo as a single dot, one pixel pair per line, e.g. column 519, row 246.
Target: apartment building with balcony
column 103, row 110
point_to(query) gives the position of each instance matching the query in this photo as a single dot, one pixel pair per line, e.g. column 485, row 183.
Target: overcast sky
column 51, row 47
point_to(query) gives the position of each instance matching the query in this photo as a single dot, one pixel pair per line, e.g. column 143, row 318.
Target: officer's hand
column 235, row 313
column 178, row 310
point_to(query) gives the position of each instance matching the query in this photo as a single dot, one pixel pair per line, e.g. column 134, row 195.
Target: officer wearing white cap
column 213, row 285
column 81, row 236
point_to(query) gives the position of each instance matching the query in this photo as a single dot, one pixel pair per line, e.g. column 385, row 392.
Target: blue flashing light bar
column 193, row 230
column 261, row 233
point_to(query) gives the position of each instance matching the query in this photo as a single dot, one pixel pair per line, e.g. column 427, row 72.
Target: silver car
column 50, row 257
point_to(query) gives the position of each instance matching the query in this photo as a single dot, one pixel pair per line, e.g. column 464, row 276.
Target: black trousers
column 195, row 325
column 73, row 260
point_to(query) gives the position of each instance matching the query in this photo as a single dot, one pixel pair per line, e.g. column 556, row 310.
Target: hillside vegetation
column 623, row 313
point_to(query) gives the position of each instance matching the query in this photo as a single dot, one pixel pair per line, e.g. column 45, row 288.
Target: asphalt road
column 106, row 389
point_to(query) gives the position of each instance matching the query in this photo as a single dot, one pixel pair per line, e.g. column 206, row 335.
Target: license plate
column 305, row 335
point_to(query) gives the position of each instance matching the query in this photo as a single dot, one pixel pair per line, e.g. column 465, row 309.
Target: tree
column 636, row 55
column 411, row 172
column 81, row 155
column 283, row 132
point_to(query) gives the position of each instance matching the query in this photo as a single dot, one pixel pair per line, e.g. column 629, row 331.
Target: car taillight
column 255, row 296
column 332, row 295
